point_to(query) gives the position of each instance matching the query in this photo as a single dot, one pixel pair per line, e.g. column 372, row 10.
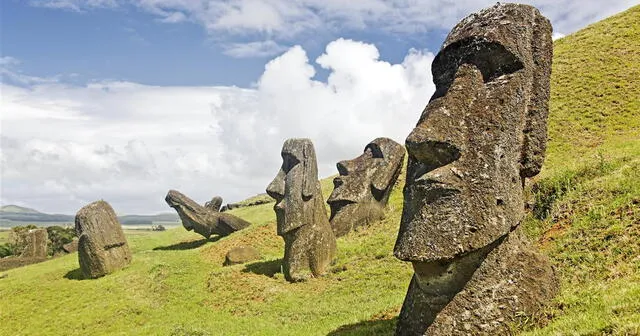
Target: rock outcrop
column 102, row 246
column 203, row 220
column 302, row 221
column 362, row 190
column 37, row 241
column 482, row 133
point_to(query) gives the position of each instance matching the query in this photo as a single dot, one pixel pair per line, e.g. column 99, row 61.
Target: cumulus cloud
column 284, row 20
column 64, row 146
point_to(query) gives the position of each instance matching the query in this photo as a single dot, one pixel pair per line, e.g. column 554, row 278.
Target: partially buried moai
column 362, row 190
column 102, row 246
column 205, row 220
column 482, row 133
column 302, row 221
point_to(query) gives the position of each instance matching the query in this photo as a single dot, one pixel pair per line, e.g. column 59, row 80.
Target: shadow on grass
column 268, row 268
column 372, row 327
column 186, row 245
column 75, row 274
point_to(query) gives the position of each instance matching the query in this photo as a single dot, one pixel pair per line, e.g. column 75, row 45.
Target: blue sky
column 123, row 100
column 127, row 43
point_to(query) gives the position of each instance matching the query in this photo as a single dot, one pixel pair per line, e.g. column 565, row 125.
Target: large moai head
column 296, row 188
column 302, row 221
column 482, row 133
column 362, row 190
column 102, row 246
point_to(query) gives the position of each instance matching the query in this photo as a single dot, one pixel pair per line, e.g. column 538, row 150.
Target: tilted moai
column 482, row 133
column 102, row 246
column 203, row 219
column 362, row 190
column 302, row 221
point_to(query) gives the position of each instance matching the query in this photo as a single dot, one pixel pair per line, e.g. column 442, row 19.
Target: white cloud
column 285, row 21
column 557, row 35
column 64, row 146
column 254, row 49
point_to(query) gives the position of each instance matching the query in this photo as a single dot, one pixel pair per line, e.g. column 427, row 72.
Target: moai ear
column 310, row 170
column 383, row 176
column 535, row 132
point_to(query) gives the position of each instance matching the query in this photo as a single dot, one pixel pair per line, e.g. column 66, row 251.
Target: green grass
column 585, row 216
column 4, row 237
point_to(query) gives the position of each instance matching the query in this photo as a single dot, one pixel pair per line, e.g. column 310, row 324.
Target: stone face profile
column 482, row 133
column 102, row 246
column 362, row 190
column 36, row 244
column 204, row 220
column 302, row 221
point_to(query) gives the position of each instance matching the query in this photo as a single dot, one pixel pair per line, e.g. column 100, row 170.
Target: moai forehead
column 483, row 131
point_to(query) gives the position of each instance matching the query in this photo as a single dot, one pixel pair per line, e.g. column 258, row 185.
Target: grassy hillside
column 585, row 215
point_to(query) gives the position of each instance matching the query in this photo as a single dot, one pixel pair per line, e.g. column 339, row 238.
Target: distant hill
column 17, row 209
column 16, row 213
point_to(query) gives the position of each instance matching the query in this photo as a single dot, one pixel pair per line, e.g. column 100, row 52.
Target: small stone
column 241, row 255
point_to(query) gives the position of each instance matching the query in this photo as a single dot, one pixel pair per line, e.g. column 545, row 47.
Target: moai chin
column 362, row 190
column 302, row 221
column 205, row 220
column 482, row 133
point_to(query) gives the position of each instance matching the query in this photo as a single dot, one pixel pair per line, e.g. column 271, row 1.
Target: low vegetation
column 585, row 215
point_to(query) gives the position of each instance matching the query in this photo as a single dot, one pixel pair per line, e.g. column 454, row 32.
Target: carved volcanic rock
column 201, row 219
column 310, row 245
column 102, row 247
column 480, row 136
column 36, row 244
column 362, row 190
column 214, row 204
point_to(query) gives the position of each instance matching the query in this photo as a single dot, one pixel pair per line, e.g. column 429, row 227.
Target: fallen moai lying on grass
column 302, row 221
column 203, row 220
column 480, row 136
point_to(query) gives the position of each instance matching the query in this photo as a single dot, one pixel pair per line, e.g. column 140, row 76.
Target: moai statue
column 203, row 219
column 214, row 204
column 482, row 133
column 302, row 221
column 362, row 190
column 102, row 247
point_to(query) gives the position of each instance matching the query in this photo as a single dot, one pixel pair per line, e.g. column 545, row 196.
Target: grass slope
column 585, row 217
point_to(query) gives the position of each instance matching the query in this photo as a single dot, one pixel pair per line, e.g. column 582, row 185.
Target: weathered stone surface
column 201, row 219
column 482, row 133
column 214, row 204
column 241, row 255
column 36, row 244
column 362, row 190
column 102, row 246
column 310, row 244
column 71, row 247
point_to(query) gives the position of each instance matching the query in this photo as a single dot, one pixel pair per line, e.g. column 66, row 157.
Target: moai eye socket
column 491, row 58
